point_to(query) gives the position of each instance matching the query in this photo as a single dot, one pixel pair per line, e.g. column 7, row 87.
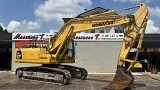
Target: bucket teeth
column 121, row 80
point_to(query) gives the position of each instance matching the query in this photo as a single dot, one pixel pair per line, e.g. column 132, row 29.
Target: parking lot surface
column 8, row 81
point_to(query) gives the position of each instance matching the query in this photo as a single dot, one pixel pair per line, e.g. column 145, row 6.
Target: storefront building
column 97, row 52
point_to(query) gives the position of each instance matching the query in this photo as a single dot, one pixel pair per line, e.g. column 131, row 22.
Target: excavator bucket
column 121, row 80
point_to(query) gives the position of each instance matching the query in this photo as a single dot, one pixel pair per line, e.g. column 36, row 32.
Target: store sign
column 76, row 37
column 98, row 37
column 31, row 36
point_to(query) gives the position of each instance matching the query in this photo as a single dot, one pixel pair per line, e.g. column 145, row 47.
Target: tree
column 5, row 31
column 2, row 30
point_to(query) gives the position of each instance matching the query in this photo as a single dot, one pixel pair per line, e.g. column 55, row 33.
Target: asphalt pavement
column 153, row 76
column 142, row 81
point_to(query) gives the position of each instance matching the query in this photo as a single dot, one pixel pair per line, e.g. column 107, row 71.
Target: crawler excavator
column 60, row 49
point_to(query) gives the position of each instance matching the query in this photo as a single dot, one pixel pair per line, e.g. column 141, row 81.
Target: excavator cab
column 71, row 49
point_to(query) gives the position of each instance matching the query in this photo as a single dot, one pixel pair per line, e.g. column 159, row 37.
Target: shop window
column 92, row 31
column 86, row 31
column 118, row 30
column 101, row 31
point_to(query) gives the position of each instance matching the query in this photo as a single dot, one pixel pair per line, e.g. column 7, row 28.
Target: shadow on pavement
column 100, row 80
column 135, row 85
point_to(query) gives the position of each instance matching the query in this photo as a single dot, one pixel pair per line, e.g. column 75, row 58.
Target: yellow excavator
column 60, row 49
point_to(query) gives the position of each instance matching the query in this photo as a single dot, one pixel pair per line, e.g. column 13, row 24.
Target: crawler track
column 55, row 75
column 52, row 73
column 76, row 72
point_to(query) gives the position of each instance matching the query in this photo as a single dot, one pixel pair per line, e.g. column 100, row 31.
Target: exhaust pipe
column 122, row 79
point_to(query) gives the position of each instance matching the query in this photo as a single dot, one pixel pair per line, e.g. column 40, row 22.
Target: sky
column 45, row 16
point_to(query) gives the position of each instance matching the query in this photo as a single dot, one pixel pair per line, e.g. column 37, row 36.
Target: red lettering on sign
column 82, row 37
column 41, row 36
column 35, row 37
column 97, row 35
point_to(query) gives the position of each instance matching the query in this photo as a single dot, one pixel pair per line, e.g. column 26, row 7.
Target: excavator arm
column 123, row 77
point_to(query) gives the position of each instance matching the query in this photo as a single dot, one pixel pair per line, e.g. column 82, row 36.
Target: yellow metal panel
column 33, row 61
column 23, row 51
column 138, row 65
column 32, row 53
column 15, row 55
column 45, row 57
column 42, row 59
